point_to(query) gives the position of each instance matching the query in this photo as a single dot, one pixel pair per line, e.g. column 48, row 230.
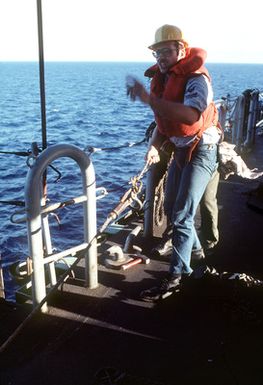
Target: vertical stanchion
column 2, row 284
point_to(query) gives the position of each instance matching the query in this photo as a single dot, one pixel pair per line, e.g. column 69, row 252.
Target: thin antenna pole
column 41, row 73
column 42, row 87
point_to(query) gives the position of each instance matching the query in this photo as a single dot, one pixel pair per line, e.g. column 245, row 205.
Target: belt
column 210, row 146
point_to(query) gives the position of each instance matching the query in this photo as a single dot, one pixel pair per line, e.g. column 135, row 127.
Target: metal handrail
column 55, row 206
column 35, row 226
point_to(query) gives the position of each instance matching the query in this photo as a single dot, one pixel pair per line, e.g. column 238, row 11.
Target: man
column 181, row 99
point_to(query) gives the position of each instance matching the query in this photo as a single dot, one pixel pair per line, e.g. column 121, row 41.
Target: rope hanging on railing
column 18, row 153
column 14, row 203
column 90, row 149
column 32, row 155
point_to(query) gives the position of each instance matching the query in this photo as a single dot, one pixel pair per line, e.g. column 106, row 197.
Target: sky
column 120, row 30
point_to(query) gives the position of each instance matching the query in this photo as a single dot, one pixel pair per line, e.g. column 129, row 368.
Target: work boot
column 168, row 286
column 163, row 248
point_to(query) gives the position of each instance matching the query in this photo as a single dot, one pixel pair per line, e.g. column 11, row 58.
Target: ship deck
column 209, row 333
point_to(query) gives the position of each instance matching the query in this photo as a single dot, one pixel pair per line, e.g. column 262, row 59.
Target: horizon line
column 114, row 61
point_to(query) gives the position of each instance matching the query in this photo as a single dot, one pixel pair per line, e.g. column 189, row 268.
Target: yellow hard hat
column 167, row 33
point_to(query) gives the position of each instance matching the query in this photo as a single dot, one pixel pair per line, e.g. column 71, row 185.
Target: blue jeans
column 186, row 183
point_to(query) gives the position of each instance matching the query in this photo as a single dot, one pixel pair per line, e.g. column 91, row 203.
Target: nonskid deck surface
column 209, row 333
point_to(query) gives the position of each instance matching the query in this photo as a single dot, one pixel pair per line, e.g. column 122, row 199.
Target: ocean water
column 86, row 105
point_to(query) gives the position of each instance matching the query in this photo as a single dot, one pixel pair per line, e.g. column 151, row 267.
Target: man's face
column 167, row 55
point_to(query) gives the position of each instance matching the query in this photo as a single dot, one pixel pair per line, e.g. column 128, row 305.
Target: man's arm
column 174, row 111
column 170, row 110
column 157, row 139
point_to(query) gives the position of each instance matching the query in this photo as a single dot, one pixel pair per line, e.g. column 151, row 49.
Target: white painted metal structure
column 36, row 226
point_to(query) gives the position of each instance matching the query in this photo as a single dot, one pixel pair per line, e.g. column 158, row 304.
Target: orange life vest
column 174, row 89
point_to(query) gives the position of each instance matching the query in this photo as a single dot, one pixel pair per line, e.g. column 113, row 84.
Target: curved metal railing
column 37, row 231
